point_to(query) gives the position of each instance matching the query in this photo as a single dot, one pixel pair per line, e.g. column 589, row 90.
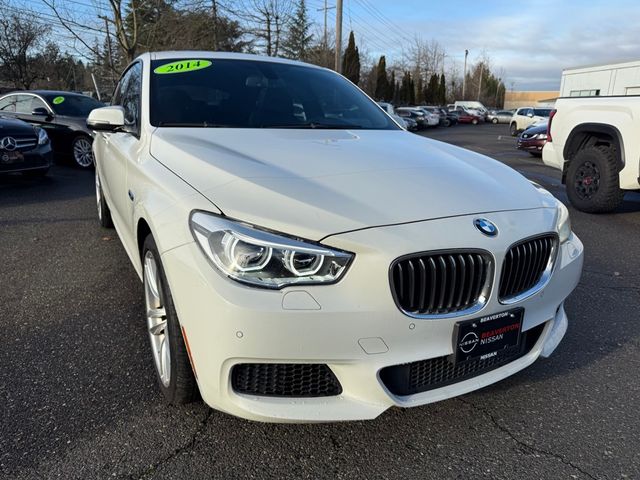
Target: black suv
column 23, row 148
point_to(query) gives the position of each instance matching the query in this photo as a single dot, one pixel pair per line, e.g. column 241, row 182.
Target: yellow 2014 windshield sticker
column 182, row 66
column 58, row 100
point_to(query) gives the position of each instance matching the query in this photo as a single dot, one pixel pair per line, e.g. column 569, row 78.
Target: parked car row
column 36, row 123
column 421, row 117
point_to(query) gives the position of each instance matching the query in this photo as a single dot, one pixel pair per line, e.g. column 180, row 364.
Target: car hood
column 12, row 126
column 314, row 183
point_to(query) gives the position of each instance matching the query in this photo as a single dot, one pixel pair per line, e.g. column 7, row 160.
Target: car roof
column 44, row 93
column 176, row 54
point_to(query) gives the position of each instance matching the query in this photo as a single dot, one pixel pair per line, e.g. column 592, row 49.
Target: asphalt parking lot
column 79, row 396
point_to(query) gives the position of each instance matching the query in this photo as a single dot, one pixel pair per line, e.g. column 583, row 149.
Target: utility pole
column 325, row 45
column 495, row 103
column 464, row 75
column 338, row 63
column 480, row 82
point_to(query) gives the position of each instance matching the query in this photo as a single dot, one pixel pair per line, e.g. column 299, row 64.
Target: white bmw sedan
column 306, row 259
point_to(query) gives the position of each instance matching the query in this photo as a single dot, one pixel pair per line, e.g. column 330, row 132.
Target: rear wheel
column 494, row 121
column 82, row 152
column 170, row 357
column 104, row 214
column 447, row 122
column 474, row 121
column 513, row 129
column 592, row 180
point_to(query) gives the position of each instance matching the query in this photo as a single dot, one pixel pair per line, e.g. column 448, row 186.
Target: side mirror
column 530, row 115
column 40, row 112
column 106, row 119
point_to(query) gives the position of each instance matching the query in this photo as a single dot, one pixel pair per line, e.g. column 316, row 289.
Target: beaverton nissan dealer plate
column 486, row 337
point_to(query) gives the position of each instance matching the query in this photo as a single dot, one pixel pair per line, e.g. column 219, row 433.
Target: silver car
column 500, row 116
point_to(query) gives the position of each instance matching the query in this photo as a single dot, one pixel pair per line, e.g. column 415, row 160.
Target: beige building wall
column 513, row 99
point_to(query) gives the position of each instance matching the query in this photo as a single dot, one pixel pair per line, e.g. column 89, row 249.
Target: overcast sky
column 532, row 41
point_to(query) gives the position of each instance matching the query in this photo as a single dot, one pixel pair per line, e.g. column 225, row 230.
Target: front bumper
column 531, row 145
column 353, row 326
column 35, row 159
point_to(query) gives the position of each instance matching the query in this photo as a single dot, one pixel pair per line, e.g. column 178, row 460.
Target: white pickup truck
column 595, row 142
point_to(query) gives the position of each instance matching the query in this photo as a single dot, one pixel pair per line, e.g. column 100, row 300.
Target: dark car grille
column 525, row 264
column 285, row 380
column 440, row 283
column 425, row 375
column 23, row 143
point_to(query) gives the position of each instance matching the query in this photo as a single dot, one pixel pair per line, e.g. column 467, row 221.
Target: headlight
column 42, row 136
column 540, row 136
column 265, row 259
column 563, row 224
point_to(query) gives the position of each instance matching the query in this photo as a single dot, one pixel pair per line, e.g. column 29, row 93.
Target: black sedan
column 23, row 148
column 63, row 115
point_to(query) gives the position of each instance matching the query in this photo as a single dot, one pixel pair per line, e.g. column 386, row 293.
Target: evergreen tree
column 442, row 91
column 394, row 87
column 383, row 87
column 297, row 43
column 412, row 90
column 419, row 91
column 432, row 93
column 407, row 90
column 351, row 61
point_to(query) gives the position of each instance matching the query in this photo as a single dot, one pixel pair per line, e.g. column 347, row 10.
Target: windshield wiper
column 341, row 126
column 194, row 124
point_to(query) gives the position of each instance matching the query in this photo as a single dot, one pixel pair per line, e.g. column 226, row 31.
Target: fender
column 575, row 140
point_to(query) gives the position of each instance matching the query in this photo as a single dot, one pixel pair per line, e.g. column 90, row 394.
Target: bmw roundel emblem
column 486, row 227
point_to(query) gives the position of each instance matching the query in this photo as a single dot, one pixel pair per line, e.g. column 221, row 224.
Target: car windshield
column 72, row 105
column 255, row 94
column 541, row 112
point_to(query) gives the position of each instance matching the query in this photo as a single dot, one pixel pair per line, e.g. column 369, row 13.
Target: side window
column 131, row 99
column 127, row 95
column 23, row 104
column 122, row 84
column 37, row 103
column 8, row 104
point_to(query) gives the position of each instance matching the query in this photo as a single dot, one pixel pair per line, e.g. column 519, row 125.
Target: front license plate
column 10, row 157
column 486, row 337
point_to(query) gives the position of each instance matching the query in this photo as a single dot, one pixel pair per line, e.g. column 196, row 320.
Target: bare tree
column 266, row 20
column 20, row 38
column 121, row 21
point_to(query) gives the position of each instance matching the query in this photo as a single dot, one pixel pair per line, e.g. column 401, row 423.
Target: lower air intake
column 424, row 375
column 285, row 380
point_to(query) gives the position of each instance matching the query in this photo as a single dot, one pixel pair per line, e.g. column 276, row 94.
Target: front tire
column 170, row 357
column 593, row 185
column 474, row 121
column 82, row 152
column 513, row 129
column 104, row 213
column 494, row 121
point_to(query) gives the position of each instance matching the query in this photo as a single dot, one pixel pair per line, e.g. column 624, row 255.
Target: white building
column 601, row 80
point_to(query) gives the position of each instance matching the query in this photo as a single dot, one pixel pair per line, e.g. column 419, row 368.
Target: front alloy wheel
column 170, row 356
column 156, row 319
column 82, row 152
